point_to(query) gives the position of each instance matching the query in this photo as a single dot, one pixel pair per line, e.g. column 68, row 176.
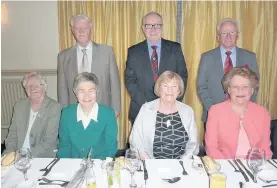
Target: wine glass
column 23, row 161
column 132, row 164
column 255, row 161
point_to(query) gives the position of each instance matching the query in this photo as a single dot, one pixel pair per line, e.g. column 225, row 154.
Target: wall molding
column 22, row 72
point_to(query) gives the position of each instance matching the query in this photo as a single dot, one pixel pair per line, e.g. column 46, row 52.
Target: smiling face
column 86, row 94
column 34, row 88
column 82, row 31
column 240, row 90
column 228, row 35
column 169, row 91
column 153, row 34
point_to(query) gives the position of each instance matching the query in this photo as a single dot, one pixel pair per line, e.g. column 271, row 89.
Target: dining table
column 196, row 175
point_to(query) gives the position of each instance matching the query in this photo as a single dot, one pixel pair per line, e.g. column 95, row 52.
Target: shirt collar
column 223, row 50
column 158, row 44
column 88, row 47
column 92, row 115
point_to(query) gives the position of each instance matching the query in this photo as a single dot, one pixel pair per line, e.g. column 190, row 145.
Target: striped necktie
column 154, row 62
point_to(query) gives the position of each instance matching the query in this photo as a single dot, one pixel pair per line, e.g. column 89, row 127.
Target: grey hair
column 80, row 17
column 37, row 75
column 227, row 20
column 85, row 77
column 148, row 14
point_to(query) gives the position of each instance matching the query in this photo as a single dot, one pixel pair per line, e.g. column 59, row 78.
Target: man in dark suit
column 148, row 59
column 216, row 62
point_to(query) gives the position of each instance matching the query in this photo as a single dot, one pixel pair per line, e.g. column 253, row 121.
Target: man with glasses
column 216, row 62
column 88, row 56
column 148, row 59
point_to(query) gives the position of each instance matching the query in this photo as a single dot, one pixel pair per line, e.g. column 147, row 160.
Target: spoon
column 172, row 180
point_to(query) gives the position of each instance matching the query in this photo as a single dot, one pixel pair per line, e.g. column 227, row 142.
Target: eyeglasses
column 35, row 86
column 150, row 26
column 242, row 88
column 228, row 33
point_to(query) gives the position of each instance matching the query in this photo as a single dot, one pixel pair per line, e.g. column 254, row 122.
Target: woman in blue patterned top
column 165, row 128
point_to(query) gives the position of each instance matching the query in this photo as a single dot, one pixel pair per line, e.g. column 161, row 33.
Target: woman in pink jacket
column 237, row 124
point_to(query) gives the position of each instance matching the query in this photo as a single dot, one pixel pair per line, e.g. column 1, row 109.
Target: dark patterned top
column 170, row 138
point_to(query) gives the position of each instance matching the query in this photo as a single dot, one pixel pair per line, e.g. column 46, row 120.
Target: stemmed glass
column 23, row 161
column 255, row 161
column 132, row 164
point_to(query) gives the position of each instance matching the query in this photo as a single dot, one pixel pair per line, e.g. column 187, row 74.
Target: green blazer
column 101, row 136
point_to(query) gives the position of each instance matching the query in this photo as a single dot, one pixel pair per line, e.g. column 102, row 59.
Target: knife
column 241, row 171
column 272, row 163
column 50, row 168
column 247, row 171
column 145, row 171
column 272, row 185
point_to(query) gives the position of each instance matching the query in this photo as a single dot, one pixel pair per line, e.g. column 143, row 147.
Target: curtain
column 118, row 24
column 258, row 33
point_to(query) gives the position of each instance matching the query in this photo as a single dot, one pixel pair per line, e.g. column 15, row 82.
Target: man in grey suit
column 88, row 56
column 148, row 59
column 216, row 62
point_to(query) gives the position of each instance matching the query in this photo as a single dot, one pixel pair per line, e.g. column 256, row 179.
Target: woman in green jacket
column 87, row 124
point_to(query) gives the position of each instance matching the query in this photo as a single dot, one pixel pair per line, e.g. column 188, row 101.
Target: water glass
column 217, row 180
column 255, row 161
column 132, row 164
column 23, row 161
column 113, row 174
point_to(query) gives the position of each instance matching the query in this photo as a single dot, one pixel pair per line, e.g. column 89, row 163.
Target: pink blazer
column 223, row 130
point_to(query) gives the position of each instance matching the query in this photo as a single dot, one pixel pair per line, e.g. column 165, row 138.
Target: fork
column 46, row 168
column 50, row 181
column 62, row 185
column 184, row 171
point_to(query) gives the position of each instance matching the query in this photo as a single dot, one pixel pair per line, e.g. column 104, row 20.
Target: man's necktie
column 154, row 62
column 84, row 66
column 228, row 62
column 227, row 65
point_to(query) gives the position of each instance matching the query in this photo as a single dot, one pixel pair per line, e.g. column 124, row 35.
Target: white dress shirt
column 32, row 119
column 80, row 56
column 81, row 116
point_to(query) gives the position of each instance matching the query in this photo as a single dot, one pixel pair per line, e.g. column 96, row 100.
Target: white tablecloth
column 157, row 169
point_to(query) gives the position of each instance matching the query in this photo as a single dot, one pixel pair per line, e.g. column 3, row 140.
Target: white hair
column 85, row 77
column 39, row 76
column 227, row 20
column 80, row 17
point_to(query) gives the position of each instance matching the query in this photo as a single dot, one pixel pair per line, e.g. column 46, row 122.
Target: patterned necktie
column 154, row 62
column 84, row 66
column 228, row 62
column 227, row 65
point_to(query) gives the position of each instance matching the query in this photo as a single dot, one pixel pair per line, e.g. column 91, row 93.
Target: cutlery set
column 239, row 166
column 45, row 181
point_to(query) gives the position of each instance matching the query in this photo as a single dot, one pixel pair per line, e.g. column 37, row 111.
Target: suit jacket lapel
column 218, row 66
column 95, row 52
column 239, row 61
column 147, row 68
column 25, row 123
column 37, row 123
column 73, row 62
column 165, row 49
